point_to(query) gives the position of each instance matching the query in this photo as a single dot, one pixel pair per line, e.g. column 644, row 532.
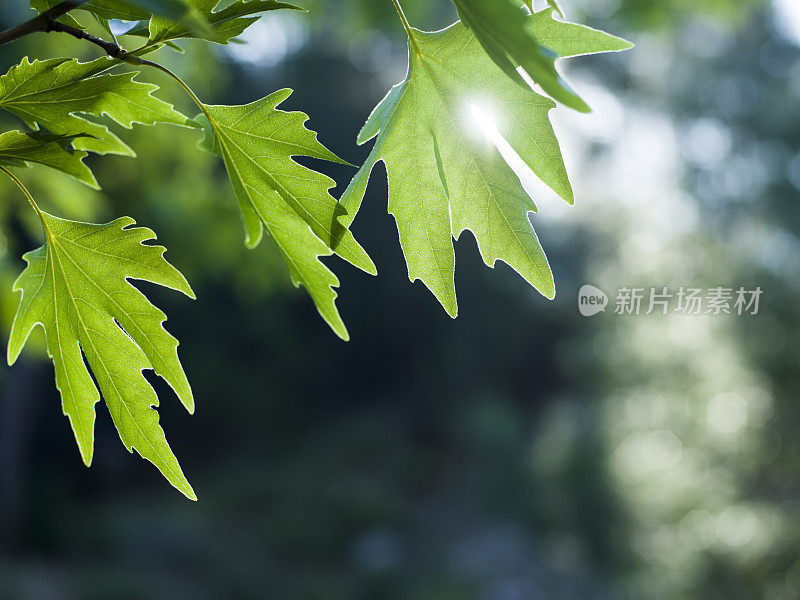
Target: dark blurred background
column 519, row 452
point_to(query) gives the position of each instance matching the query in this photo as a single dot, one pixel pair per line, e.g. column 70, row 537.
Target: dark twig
column 40, row 22
column 112, row 49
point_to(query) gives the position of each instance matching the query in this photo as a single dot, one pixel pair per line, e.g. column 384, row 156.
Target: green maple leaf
column 292, row 202
column 76, row 286
column 19, row 148
column 224, row 24
column 177, row 10
column 444, row 180
column 501, row 28
column 132, row 10
column 567, row 39
column 59, row 93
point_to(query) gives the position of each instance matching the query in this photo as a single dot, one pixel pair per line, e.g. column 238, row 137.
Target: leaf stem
column 412, row 40
column 28, row 195
column 141, row 61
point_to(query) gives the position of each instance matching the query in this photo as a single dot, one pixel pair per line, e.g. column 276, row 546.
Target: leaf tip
column 252, row 242
column 449, row 303
column 341, row 331
column 189, row 492
column 372, row 269
column 186, row 288
column 86, row 455
column 580, row 105
column 357, row 256
column 547, row 288
column 187, row 400
column 15, row 345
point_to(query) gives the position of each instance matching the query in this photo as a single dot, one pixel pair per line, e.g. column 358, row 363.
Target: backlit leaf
column 76, row 286
column 63, row 94
column 437, row 132
column 292, row 202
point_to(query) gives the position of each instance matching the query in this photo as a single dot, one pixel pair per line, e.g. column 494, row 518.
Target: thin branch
column 110, row 48
column 39, row 22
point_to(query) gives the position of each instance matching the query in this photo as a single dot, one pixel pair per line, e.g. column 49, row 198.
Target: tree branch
column 40, row 22
column 110, row 48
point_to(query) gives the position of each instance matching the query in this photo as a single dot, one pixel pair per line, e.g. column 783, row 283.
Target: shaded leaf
column 18, row 148
column 132, row 10
column 67, row 19
column 224, row 24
